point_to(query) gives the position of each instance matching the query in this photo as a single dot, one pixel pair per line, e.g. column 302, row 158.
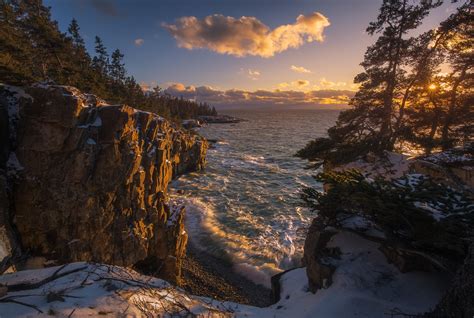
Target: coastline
column 207, row 275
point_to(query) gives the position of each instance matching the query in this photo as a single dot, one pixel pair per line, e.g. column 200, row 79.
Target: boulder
column 94, row 179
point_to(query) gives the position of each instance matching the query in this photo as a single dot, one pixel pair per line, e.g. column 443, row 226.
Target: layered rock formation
column 91, row 179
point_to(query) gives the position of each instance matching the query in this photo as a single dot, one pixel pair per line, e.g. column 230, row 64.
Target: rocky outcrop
column 318, row 269
column 91, row 179
column 451, row 168
column 454, row 167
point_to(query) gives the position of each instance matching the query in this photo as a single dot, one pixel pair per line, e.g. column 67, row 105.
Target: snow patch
column 13, row 165
column 97, row 123
column 364, row 285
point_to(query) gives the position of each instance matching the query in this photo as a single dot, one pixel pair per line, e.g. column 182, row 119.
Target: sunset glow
column 220, row 52
column 236, row 158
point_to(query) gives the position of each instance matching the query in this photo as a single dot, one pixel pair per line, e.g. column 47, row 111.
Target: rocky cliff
column 88, row 181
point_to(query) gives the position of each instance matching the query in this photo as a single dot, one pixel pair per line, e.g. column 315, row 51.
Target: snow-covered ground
column 364, row 285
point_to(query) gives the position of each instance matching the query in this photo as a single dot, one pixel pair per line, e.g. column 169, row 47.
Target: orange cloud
column 294, row 84
column 246, row 35
column 237, row 97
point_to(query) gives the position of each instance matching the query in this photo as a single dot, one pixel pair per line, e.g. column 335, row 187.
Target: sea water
column 245, row 206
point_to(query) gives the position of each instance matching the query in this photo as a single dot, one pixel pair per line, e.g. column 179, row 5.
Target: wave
column 260, row 161
column 258, row 258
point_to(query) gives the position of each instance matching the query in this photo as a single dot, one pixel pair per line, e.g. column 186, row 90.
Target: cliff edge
column 87, row 181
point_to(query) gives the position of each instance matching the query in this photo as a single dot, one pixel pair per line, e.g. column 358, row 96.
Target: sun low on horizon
column 250, row 53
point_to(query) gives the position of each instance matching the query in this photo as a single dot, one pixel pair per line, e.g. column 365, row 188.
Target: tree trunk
column 445, row 143
column 386, row 130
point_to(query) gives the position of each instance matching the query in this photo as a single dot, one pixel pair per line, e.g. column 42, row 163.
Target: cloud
column 246, row 35
column 325, row 84
column 299, row 69
column 237, row 97
column 298, row 84
column 250, row 73
column 302, row 83
column 105, row 7
column 139, row 42
column 148, row 86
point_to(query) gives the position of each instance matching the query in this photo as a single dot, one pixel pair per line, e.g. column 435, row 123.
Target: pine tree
column 49, row 44
column 101, row 59
column 33, row 49
column 73, row 30
column 16, row 66
column 383, row 64
column 440, row 104
column 458, row 48
column 117, row 68
column 370, row 124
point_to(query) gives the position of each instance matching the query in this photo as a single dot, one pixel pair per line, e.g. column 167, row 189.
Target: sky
column 236, row 52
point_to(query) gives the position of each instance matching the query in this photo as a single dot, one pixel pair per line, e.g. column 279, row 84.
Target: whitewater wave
column 259, row 161
column 257, row 259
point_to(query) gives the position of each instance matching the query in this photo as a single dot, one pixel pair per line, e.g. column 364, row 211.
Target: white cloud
column 250, row 73
column 299, row 69
column 246, row 35
column 139, row 42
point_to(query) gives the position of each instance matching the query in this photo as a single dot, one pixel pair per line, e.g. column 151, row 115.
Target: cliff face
column 91, row 179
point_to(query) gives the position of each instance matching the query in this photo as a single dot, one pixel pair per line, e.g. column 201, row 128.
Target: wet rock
column 94, row 180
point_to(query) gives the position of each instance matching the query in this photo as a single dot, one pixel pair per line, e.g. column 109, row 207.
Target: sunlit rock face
column 91, row 179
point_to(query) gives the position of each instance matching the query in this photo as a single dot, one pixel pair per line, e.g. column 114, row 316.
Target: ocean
column 245, row 205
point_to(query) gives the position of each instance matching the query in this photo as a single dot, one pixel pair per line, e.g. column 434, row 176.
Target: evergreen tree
column 73, row 30
column 371, row 123
column 33, row 49
column 440, row 106
column 101, row 59
column 15, row 56
column 117, row 68
column 48, row 41
column 458, row 47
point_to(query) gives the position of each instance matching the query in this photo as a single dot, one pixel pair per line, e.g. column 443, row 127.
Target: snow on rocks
column 364, row 285
column 456, row 156
column 390, row 166
column 90, row 141
column 83, row 289
column 13, row 166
